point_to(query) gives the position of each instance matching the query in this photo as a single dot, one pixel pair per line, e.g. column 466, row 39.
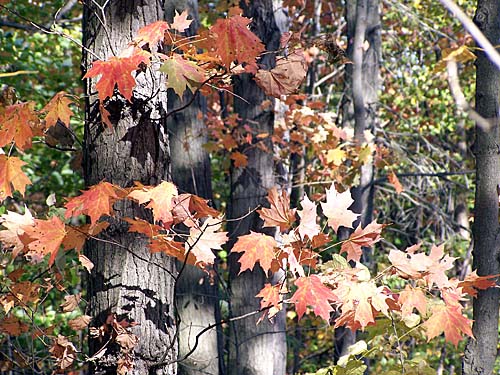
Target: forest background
column 418, row 141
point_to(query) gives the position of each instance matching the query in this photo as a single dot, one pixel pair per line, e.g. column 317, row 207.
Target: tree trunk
column 196, row 296
column 360, row 111
column 127, row 279
column 254, row 349
column 480, row 353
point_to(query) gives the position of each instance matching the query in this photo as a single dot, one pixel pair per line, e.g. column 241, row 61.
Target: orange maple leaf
column 239, row 159
column 45, row 237
column 159, row 198
column 256, row 247
column 313, row 293
column 360, row 238
column 411, row 298
column 451, row 321
column 181, row 23
column 473, row 282
column 234, row 42
column 271, row 299
column 394, row 180
column 280, row 213
column 96, row 201
column 58, row 109
column 115, row 71
column 76, row 236
column 19, row 123
column 151, row 34
column 11, row 176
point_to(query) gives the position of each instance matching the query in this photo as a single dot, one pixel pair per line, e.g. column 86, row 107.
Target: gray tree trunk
column 127, row 280
column 196, row 297
column 254, row 349
column 360, row 109
column 480, row 354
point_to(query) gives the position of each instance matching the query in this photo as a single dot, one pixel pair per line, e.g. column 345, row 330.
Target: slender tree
column 481, row 352
column 196, row 294
column 359, row 109
column 127, row 279
column 254, row 349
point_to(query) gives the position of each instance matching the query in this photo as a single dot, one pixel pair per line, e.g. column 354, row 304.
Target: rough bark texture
column 127, row 280
column 481, row 353
column 254, row 349
column 359, row 110
column 196, row 298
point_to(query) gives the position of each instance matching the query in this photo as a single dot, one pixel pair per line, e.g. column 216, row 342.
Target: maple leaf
column 200, row 207
column 159, row 198
column 271, row 299
column 256, row 247
column 234, row 42
column 308, row 216
column 181, row 74
column 280, row 213
column 394, row 180
column 18, row 123
column 434, row 266
column 45, row 237
column 96, row 201
column 360, row 238
column 359, row 303
column 76, row 236
column 411, row 298
column 313, row 293
column 336, row 208
column 203, row 240
column 473, row 282
column 285, row 78
column 58, row 109
column 14, row 223
column 151, row 34
column 336, row 156
column 401, row 261
column 451, row 321
column 63, row 351
column 13, row 326
column 181, row 23
column 240, row 160
column 115, row 71
column 79, row 323
column 71, row 302
column 11, row 176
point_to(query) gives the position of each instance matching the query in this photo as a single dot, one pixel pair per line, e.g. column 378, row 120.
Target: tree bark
column 127, row 279
column 196, row 296
column 254, row 349
column 480, row 353
column 359, row 111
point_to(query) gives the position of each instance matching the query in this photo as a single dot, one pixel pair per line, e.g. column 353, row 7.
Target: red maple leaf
column 115, row 71
column 313, row 293
column 271, row 299
column 96, row 201
column 256, row 247
column 360, row 238
column 234, row 42
column 280, row 213
column 11, row 176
